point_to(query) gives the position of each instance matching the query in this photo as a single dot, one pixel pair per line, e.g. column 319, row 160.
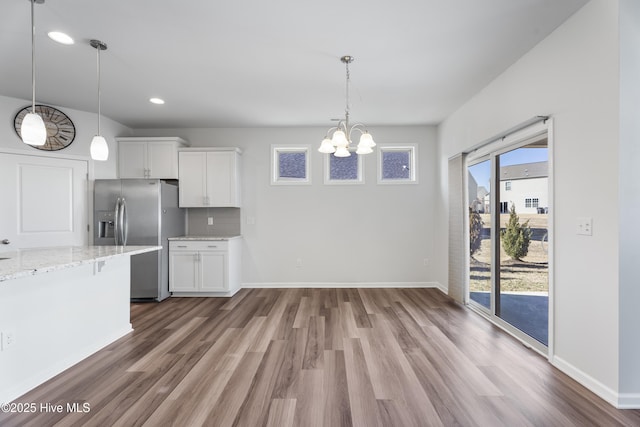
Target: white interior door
column 45, row 201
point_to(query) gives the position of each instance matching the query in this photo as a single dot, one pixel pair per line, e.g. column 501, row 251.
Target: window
column 531, row 203
column 290, row 165
column 343, row 170
column 507, row 186
column 397, row 164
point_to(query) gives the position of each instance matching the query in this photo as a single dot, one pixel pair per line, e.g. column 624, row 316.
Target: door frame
column 489, row 149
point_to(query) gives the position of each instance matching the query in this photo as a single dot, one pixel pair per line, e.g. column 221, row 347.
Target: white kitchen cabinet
column 183, row 274
column 209, row 178
column 149, row 157
column 204, row 267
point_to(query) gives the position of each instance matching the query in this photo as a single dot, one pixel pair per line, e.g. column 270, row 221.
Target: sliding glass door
column 508, row 193
column 522, row 291
column 480, row 246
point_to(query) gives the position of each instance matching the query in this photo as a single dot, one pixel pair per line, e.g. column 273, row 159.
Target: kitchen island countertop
column 32, row 261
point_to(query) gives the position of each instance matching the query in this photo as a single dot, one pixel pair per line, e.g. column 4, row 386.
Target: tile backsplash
column 226, row 222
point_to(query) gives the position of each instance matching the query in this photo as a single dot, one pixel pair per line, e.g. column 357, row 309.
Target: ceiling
column 247, row 63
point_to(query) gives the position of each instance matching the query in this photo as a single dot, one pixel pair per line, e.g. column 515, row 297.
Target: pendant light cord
column 99, row 103
column 33, row 59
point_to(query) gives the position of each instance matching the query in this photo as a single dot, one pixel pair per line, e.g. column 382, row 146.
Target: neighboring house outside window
column 526, row 187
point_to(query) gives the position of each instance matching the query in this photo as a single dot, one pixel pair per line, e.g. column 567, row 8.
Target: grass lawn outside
column 530, row 275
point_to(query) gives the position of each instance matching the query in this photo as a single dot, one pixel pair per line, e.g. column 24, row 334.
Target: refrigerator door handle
column 116, row 223
column 124, row 225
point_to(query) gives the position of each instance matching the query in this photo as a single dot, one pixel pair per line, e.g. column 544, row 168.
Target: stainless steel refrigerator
column 140, row 212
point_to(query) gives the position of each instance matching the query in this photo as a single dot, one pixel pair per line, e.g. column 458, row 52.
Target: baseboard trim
column 177, row 294
column 318, row 285
column 628, row 401
column 604, row 392
column 441, row 287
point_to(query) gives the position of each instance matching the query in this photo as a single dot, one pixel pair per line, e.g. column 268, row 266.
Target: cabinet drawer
column 198, row 245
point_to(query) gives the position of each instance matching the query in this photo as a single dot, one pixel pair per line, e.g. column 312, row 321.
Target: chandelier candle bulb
column 367, row 140
column 339, row 139
column 342, row 152
column 364, row 150
column 326, row 147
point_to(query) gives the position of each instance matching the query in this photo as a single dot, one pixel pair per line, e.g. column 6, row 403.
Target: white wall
column 86, row 127
column 572, row 75
column 343, row 234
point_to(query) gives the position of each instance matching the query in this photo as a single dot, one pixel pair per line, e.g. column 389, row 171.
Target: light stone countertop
column 204, row 237
column 27, row 262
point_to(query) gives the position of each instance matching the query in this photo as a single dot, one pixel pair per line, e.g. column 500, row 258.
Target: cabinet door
column 221, row 179
column 162, row 160
column 213, row 271
column 183, row 271
column 193, row 179
column 132, row 159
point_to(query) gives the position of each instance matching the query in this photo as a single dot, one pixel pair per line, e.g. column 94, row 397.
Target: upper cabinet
column 143, row 157
column 209, row 177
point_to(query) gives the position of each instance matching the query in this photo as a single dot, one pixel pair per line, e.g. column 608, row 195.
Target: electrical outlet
column 299, row 262
column 584, row 226
column 210, row 220
column 425, row 261
column 8, row 340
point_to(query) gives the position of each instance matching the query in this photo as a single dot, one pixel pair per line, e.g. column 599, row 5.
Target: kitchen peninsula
column 58, row 306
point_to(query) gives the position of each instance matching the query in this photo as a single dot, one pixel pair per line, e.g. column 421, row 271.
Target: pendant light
column 340, row 142
column 33, row 130
column 99, row 148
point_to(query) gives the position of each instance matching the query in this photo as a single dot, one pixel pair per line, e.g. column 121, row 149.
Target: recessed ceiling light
column 156, row 101
column 59, row 37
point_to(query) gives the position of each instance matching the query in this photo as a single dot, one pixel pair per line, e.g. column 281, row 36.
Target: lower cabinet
column 204, row 267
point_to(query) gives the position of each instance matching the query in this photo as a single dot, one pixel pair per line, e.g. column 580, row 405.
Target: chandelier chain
column 348, row 84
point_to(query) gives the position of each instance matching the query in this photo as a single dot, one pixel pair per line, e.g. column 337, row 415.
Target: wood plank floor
column 317, row 357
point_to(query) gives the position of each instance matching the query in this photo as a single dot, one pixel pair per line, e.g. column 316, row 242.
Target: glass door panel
column 479, row 190
column 522, row 283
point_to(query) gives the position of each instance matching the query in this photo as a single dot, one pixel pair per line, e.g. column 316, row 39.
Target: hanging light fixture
column 339, row 142
column 33, row 130
column 99, row 148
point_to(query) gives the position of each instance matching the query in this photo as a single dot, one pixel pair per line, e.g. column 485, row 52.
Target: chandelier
column 338, row 139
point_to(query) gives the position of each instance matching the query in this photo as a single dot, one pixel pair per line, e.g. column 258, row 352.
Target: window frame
column 276, row 150
column 413, row 168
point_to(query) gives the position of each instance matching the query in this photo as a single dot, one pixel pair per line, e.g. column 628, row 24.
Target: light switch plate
column 584, row 226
